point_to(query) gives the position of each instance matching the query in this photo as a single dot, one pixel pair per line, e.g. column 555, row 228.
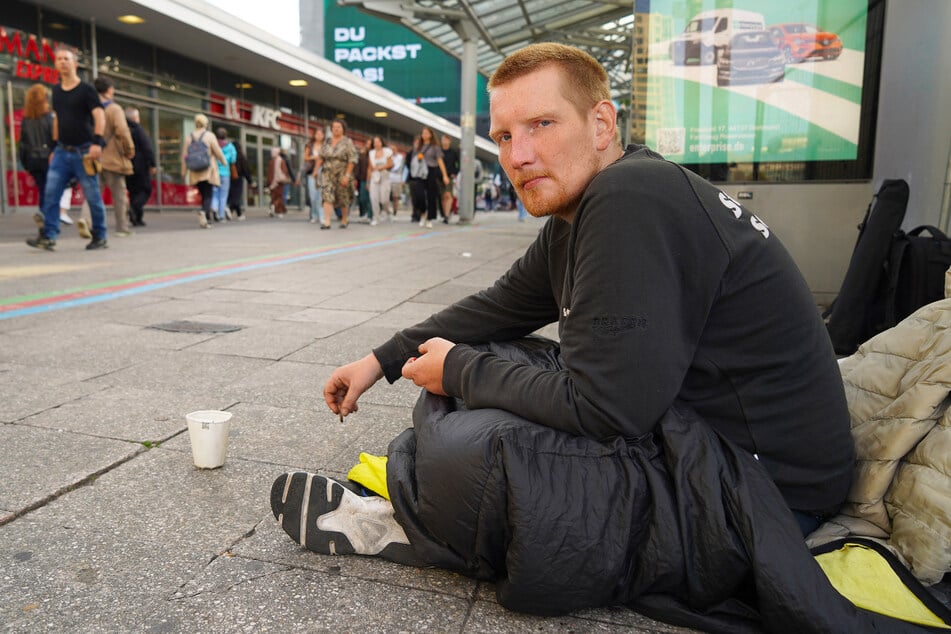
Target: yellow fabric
column 371, row 473
column 863, row 577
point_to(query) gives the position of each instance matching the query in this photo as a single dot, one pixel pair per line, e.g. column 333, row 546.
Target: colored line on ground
column 106, row 291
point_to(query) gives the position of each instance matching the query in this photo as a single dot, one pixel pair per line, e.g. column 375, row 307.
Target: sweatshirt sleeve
column 519, row 303
column 644, row 267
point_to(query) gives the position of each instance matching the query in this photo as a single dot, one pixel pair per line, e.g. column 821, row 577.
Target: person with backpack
column 36, row 138
column 201, row 156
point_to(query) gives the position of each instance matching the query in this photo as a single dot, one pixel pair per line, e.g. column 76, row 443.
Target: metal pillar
column 467, row 122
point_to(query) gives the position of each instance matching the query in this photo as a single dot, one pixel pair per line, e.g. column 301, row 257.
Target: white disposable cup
column 208, row 430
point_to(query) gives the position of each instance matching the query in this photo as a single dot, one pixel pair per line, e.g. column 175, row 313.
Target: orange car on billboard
column 799, row 41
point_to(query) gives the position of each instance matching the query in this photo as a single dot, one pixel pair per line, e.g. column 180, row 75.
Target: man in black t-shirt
column 77, row 132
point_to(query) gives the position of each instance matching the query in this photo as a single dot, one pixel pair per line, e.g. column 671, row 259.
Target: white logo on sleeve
column 731, row 204
column 737, row 210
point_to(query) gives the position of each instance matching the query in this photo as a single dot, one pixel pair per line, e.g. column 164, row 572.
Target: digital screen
column 755, row 80
column 397, row 59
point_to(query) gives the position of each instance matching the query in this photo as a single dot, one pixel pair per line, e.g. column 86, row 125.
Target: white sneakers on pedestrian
column 202, row 220
column 65, row 219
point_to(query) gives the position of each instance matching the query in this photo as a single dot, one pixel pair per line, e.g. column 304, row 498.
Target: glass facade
column 168, row 89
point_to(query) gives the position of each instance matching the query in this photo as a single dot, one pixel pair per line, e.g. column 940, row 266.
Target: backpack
column 197, row 156
column 859, row 310
column 418, row 167
column 916, row 267
column 34, row 150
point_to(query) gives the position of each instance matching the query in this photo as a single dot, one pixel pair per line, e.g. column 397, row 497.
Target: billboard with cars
column 755, row 80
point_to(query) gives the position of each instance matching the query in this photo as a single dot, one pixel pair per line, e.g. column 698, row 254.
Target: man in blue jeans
column 77, row 132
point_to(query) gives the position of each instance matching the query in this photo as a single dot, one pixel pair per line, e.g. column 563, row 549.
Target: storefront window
column 61, row 28
column 173, row 69
column 168, row 147
column 120, row 55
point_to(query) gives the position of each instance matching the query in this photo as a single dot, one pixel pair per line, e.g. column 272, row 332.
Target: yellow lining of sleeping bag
column 371, row 473
column 864, row 577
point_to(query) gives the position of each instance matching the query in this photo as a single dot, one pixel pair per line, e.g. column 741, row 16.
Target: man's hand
column 348, row 382
column 95, row 152
column 426, row 370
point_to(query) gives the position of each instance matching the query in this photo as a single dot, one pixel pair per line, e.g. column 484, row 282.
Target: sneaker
column 429, row 224
column 422, row 222
column 313, row 221
column 42, row 242
column 65, row 219
column 97, row 243
column 373, row 222
column 242, row 217
column 229, row 215
column 82, row 226
column 327, row 517
column 122, row 234
column 202, row 221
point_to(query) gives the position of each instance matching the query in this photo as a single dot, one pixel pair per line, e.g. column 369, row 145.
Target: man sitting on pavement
column 77, row 131
column 680, row 316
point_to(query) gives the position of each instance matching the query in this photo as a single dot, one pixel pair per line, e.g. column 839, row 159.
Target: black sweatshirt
column 664, row 288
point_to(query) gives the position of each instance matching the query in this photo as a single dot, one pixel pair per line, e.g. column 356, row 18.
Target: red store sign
column 260, row 116
column 34, row 58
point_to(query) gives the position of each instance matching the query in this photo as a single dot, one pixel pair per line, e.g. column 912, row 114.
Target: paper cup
column 208, row 430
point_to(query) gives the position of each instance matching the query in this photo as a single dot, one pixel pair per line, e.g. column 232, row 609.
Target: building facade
column 169, row 89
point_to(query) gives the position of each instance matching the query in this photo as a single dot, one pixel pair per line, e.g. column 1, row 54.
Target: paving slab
column 38, row 463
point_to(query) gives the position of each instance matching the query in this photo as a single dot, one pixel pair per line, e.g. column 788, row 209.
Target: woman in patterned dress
column 336, row 178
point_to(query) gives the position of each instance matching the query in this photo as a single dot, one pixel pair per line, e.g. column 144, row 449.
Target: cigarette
column 341, row 416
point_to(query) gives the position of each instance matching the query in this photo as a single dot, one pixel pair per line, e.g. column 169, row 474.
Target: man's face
column 546, row 147
column 65, row 63
column 445, row 142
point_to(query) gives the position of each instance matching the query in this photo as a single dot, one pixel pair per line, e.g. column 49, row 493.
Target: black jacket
column 680, row 525
column 676, row 294
column 144, row 159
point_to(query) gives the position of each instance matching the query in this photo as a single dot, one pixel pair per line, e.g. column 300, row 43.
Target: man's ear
column 605, row 119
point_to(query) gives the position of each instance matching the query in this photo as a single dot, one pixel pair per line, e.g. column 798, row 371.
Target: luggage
column 859, row 310
column 916, row 268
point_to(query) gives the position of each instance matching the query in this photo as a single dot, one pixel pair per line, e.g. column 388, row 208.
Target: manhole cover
column 195, row 326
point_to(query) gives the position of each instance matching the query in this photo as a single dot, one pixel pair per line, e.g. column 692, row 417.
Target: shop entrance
column 258, row 149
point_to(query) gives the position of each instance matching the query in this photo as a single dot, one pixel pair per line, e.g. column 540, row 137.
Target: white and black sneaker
column 327, row 517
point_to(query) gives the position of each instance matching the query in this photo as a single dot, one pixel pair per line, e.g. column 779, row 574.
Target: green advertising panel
column 755, row 80
column 397, row 59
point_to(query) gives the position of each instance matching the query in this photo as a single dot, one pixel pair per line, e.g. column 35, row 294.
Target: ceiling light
column 57, row 26
column 130, row 19
column 298, row 82
column 243, row 85
column 380, row 115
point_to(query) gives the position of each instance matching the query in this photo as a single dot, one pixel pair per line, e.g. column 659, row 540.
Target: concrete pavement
column 105, row 524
